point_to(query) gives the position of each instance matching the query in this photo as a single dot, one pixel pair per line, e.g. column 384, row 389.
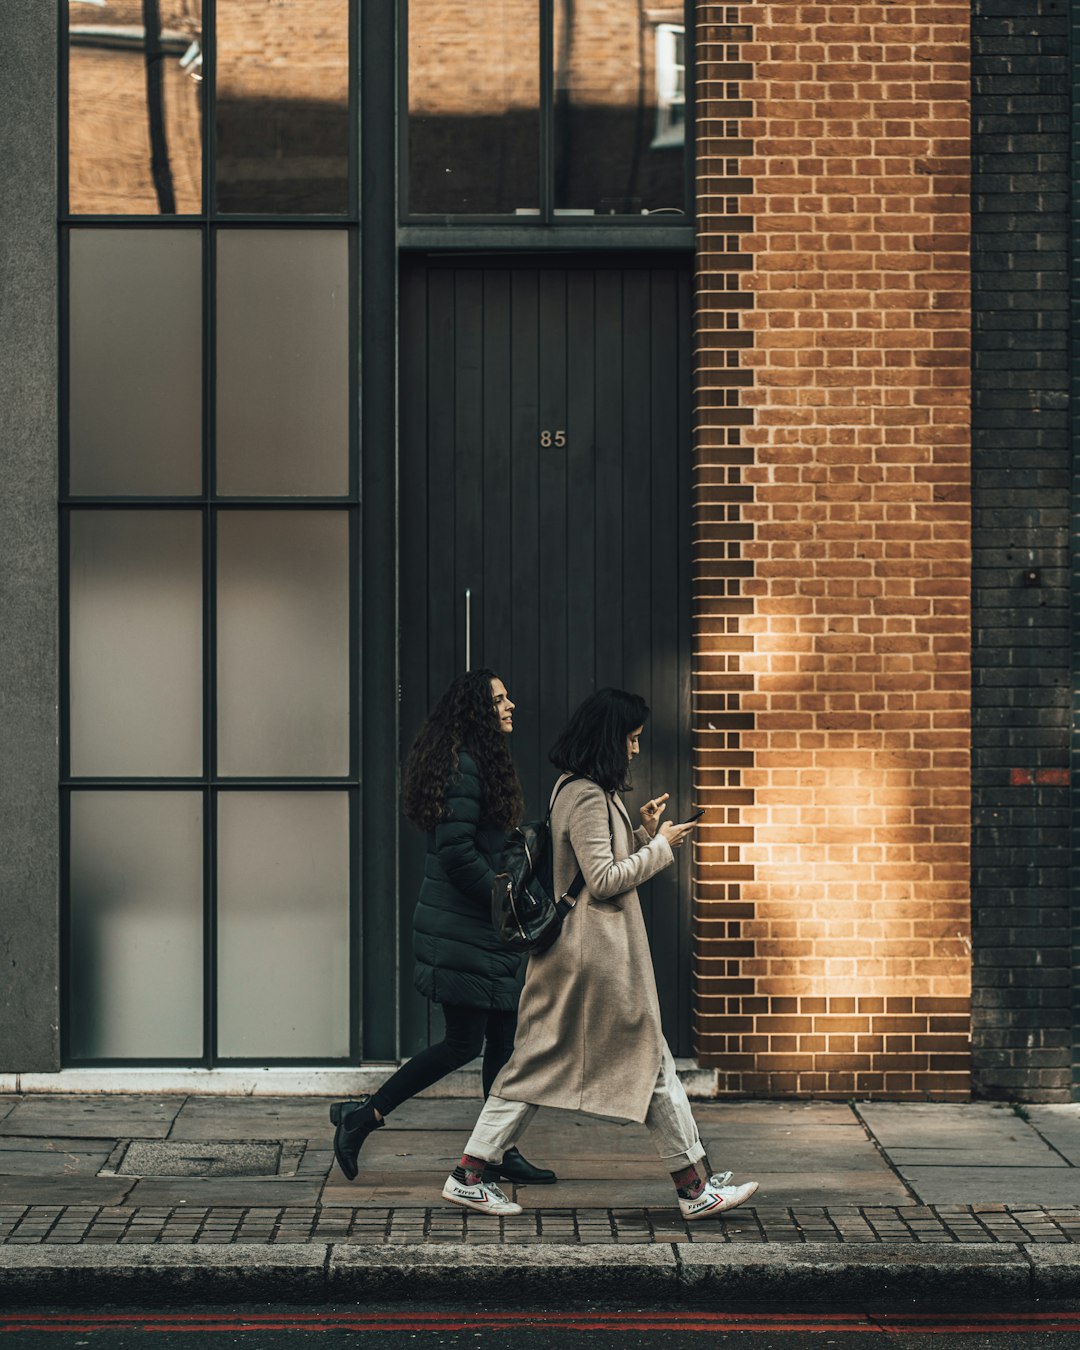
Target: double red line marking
column 577, row 1321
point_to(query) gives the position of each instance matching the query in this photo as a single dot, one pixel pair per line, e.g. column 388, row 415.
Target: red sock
column 688, row 1183
column 473, row 1168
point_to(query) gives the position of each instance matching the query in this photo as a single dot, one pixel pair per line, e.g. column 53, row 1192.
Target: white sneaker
column 485, row 1197
column 716, row 1197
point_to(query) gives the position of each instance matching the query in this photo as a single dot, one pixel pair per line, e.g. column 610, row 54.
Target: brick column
column 832, row 548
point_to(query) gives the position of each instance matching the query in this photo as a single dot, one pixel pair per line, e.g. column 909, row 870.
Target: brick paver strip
column 84, row 1225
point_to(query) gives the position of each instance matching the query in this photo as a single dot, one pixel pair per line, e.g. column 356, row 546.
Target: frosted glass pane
column 283, row 924
column 136, row 362
column 283, row 363
column 136, row 925
column 136, row 643
column 283, row 643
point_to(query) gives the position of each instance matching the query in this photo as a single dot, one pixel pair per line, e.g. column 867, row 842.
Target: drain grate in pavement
column 160, row 1158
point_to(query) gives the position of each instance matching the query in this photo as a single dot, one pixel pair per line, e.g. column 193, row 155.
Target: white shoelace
column 719, row 1179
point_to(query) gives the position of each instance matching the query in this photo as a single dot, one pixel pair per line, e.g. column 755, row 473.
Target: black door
column 545, row 486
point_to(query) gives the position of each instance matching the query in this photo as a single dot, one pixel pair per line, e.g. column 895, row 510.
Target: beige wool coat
column 589, row 1036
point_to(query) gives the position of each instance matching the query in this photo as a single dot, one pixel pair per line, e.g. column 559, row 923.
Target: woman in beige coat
column 589, row 1036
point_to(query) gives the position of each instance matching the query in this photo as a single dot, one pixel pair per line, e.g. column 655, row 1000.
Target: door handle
column 468, row 628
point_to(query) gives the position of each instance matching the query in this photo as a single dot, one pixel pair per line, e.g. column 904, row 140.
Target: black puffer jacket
column 458, row 957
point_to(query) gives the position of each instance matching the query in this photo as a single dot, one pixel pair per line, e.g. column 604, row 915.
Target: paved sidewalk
column 104, row 1184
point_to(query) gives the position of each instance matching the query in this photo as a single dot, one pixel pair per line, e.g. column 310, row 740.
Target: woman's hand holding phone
column 676, row 835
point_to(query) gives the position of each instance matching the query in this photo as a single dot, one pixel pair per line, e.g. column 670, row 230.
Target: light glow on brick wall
column 832, row 512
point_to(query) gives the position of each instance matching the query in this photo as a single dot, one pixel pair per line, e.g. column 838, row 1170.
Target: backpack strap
column 574, row 889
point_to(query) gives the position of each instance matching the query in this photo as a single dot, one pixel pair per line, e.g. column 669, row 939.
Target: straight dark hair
column 593, row 743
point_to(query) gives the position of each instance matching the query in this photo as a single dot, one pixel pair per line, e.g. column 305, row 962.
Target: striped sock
column 688, row 1183
column 470, row 1170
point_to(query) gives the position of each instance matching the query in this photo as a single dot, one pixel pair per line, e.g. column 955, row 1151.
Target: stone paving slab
column 28, row 1143
column 971, row 1185
column 1025, row 1153
column 73, row 1190
column 95, row 1117
column 69, row 1163
column 253, row 1118
column 241, row 1191
column 1059, row 1125
column 972, row 1125
column 771, row 1154
column 794, row 1114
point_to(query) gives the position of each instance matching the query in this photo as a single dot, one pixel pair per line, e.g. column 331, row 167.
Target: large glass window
column 209, row 763
column 540, row 109
column 135, row 106
column 474, row 108
column 145, row 76
column 282, row 106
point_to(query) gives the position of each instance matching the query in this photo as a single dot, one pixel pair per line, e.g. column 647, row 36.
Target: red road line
column 704, row 1322
column 419, row 1315
column 677, row 1327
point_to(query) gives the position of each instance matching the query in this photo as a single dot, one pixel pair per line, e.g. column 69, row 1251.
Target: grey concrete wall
column 29, row 864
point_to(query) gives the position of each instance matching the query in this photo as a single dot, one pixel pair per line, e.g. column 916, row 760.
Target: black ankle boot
column 354, row 1121
column 517, row 1169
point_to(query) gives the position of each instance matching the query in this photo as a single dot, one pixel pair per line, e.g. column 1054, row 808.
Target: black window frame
column 209, row 504
column 546, row 221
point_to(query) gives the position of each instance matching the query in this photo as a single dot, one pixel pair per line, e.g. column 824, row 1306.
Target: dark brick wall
column 1022, row 1016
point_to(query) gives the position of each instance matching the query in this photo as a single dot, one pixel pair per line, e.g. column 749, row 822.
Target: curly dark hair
column 593, row 742
column 464, row 716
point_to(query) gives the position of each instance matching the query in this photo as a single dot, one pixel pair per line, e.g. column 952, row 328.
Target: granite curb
column 311, row 1273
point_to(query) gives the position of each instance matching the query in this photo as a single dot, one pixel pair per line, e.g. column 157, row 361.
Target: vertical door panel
column 580, row 471
column 546, row 467
column 524, row 655
column 500, row 553
column 555, row 580
column 469, row 465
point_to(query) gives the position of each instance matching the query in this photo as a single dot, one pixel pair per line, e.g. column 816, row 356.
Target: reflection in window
column 282, row 106
column 670, row 85
column 134, row 106
column 608, row 88
column 474, row 100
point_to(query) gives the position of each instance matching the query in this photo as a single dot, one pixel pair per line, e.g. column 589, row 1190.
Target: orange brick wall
column 832, row 548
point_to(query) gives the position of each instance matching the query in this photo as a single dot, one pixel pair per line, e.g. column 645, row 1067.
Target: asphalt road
column 533, row 1329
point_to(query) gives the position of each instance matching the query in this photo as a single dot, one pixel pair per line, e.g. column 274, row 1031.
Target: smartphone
column 695, row 816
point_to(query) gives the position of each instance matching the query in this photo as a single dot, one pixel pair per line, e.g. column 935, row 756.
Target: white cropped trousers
column 669, row 1121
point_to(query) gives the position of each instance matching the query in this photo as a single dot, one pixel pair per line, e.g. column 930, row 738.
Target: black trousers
column 468, row 1030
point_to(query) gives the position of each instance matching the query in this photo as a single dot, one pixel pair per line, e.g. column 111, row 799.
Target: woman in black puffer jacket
column 462, row 788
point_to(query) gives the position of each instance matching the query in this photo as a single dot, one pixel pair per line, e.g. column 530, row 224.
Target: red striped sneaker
column 482, row 1196
column 716, row 1197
